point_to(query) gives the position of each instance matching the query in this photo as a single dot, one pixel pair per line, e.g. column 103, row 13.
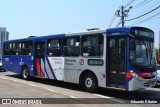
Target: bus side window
column 26, row 48
column 7, row 48
column 71, row 46
column 16, row 49
column 92, row 45
column 54, row 47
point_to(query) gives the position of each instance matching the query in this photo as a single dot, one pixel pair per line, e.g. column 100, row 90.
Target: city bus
column 116, row 58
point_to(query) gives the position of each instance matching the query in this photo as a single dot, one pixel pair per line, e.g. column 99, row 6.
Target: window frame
column 14, row 49
column 10, row 50
column 31, row 48
column 60, row 47
column 65, row 45
column 101, row 44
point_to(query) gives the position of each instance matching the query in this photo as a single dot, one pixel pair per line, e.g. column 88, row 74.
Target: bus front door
column 39, row 59
column 116, row 67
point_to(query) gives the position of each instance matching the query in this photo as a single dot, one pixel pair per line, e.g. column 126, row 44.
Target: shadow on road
column 147, row 93
column 50, row 82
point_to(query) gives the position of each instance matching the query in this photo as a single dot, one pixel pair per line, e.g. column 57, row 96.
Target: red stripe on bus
column 38, row 68
column 143, row 75
column 128, row 75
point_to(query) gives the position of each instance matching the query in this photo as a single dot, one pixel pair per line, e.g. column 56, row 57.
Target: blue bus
column 118, row 58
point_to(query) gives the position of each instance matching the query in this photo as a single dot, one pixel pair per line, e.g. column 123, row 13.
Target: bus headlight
column 135, row 75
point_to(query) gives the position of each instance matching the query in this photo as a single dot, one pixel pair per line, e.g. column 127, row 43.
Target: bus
column 116, row 58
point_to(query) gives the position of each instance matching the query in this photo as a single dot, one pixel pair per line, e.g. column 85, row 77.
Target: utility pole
column 122, row 13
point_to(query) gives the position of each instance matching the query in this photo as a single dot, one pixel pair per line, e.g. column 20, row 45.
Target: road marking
column 101, row 96
column 111, row 98
column 4, row 78
column 72, row 96
column 52, row 90
column 32, row 85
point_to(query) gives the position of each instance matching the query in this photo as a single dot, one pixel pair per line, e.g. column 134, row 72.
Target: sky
column 24, row 18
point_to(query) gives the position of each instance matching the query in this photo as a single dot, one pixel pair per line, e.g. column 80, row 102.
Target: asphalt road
column 68, row 95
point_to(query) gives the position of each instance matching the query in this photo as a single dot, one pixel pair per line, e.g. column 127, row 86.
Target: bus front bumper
column 135, row 84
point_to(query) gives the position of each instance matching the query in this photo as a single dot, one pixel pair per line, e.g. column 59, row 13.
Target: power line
column 155, row 18
column 143, row 14
column 141, row 4
column 123, row 1
column 148, row 19
column 118, row 23
column 150, row 7
column 112, row 21
column 130, row 2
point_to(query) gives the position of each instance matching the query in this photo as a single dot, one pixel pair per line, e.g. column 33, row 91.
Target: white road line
column 4, row 78
column 101, row 96
column 32, row 85
column 72, row 96
column 111, row 98
column 52, row 90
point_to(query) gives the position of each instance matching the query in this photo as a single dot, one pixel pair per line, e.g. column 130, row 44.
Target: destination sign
column 95, row 62
column 142, row 32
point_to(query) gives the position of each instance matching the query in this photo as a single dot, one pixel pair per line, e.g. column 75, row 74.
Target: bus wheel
column 90, row 83
column 25, row 73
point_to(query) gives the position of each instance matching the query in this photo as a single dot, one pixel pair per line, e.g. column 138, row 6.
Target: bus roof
column 36, row 38
column 124, row 30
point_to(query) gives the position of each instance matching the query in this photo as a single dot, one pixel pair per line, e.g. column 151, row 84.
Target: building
column 4, row 35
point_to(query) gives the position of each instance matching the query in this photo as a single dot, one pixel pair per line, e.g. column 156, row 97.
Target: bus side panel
column 15, row 63
column 55, row 68
column 98, row 70
column 7, row 63
column 20, row 61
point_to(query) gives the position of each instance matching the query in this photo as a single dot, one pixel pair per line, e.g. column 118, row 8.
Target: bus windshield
column 141, row 53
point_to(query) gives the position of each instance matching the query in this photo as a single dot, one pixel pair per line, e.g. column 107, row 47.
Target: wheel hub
column 88, row 82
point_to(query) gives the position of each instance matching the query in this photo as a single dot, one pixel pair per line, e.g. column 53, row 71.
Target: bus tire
column 25, row 73
column 89, row 82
